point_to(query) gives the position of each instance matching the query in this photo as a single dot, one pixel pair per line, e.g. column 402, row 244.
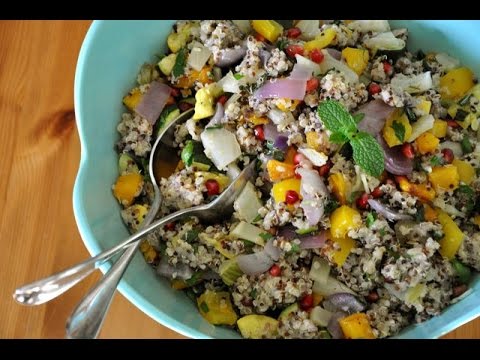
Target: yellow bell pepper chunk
column 389, row 131
column 453, row 237
column 444, row 177
column 314, row 140
column 427, row 143
column 321, row 41
column 340, row 187
column 278, row 170
column 287, row 104
column 357, row 59
column 132, row 99
column 439, row 128
column 279, row 190
column 317, row 298
column 466, row 172
column 290, row 154
column 344, row 219
column 217, row 308
column 258, row 120
column 430, row 213
column 223, row 180
column 203, row 76
column 269, row 29
column 422, row 191
column 128, row 187
column 346, row 244
column 456, row 83
column 356, row 326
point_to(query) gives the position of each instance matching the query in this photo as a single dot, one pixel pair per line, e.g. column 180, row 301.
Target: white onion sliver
column 311, row 187
column 386, row 212
column 254, row 264
column 272, row 251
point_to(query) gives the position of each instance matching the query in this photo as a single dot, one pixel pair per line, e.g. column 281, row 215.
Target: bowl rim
column 93, row 247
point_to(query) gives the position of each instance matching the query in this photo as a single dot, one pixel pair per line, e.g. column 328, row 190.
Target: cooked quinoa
column 318, row 245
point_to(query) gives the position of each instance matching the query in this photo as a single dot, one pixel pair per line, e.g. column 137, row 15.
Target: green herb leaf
column 257, row 219
column 266, row 236
column 420, row 214
column 336, row 118
column 195, row 279
column 464, row 101
column 410, row 114
column 353, row 196
column 282, row 43
column 466, row 145
column 191, row 235
column 238, row 76
column 295, row 248
column 382, row 232
column 463, row 272
column 367, row 153
column 204, row 307
column 331, row 205
column 436, row 161
column 399, row 130
column 371, row 217
column 461, row 115
column 180, row 62
column 338, row 138
column 187, row 153
column 213, row 127
column 253, row 293
column 358, row 117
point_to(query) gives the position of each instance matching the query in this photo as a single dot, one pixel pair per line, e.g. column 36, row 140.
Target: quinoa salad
column 364, row 214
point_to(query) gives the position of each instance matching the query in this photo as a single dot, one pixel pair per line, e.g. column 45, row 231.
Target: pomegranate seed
column 293, row 50
column 169, row 226
column 294, row 32
column 312, row 84
column 448, row 155
column 291, row 197
column 362, row 201
column 298, row 158
column 213, row 188
column 275, row 270
column 175, row 92
column 377, row 192
column 307, row 302
column 272, row 230
column 372, row 297
column 459, row 290
column 407, row 151
column 374, row 88
column 259, row 133
column 453, row 124
column 325, row 169
column 222, row 99
column 297, row 175
column 259, row 37
column 184, row 106
column 316, row 56
column 387, row 67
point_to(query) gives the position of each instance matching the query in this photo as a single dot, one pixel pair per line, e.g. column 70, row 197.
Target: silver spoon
column 46, row 289
column 87, row 319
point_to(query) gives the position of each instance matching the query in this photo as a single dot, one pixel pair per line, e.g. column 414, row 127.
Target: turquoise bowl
column 109, row 60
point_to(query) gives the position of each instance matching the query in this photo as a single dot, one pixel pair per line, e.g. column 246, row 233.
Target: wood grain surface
column 40, row 156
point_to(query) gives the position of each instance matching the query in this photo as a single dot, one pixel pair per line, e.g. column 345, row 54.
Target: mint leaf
column 180, row 62
column 371, row 217
column 237, row 76
column 336, row 118
column 266, row 236
column 399, row 130
column 367, row 153
column 436, row 161
column 338, row 138
column 358, row 117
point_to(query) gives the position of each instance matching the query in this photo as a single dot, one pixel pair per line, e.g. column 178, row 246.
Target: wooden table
column 41, row 153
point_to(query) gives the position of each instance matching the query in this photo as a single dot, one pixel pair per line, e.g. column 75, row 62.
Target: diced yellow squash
column 439, row 128
column 430, row 213
column 167, row 63
column 278, row 170
column 204, row 76
column 427, row 143
column 444, row 177
column 340, row 187
column 148, row 251
column 321, row 41
column 290, row 155
column 223, row 180
column 357, row 59
column 217, row 308
column 344, row 219
column 466, row 172
column 356, row 326
column 346, row 244
column 422, row 191
column 128, row 187
column 269, row 29
column 258, row 120
column 132, row 99
column 282, row 104
column 452, row 238
column 279, row 190
column 389, row 132
column 456, row 83
column 314, row 140
column 177, row 40
column 258, row 327
column 205, row 101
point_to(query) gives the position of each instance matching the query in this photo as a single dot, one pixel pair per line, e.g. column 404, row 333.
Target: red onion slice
column 254, row 264
column 182, row 271
column 389, row 214
column 337, row 55
column 395, row 162
column 153, row 101
column 313, row 241
column 271, row 132
column 281, row 142
column 288, row 233
column 343, row 302
column 376, row 112
column 333, row 326
column 230, row 56
column 282, row 88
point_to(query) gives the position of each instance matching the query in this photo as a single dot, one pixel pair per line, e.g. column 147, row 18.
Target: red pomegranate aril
column 291, row 197
column 374, row 88
column 312, row 84
column 391, row 182
column 259, row 133
column 297, row 175
column 325, row 169
column 376, row 193
column 259, row 37
column 275, row 270
column 184, row 106
column 372, row 296
column 307, row 302
column 175, row 92
column 407, row 151
column 297, row 158
column 213, row 188
column 222, row 99
column 317, row 56
column 387, row 67
column 459, row 290
column 362, row 201
column 453, row 124
column 294, row 32
column 169, row 226
column 448, row 155
column 293, row 50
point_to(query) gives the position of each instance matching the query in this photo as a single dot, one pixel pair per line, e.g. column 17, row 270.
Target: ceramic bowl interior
column 109, row 60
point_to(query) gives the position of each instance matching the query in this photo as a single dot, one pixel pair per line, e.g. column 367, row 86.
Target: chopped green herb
column 410, row 114
column 465, row 196
column 180, row 62
column 463, row 272
column 295, row 248
column 353, row 196
column 204, row 307
column 382, row 232
column 331, row 205
column 253, row 293
column 464, row 101
column 213, row 127
column 467, row 146
column 461, row 115
column 195, row 279
column 266, row 236
column 282, row 43
column 420, row 214
column 248, row 245
column 257, row 219
column 191, row 235
column 371, row 217
column 436, row 161
column 399, row 130
column 238, row 76
column 307, row 230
